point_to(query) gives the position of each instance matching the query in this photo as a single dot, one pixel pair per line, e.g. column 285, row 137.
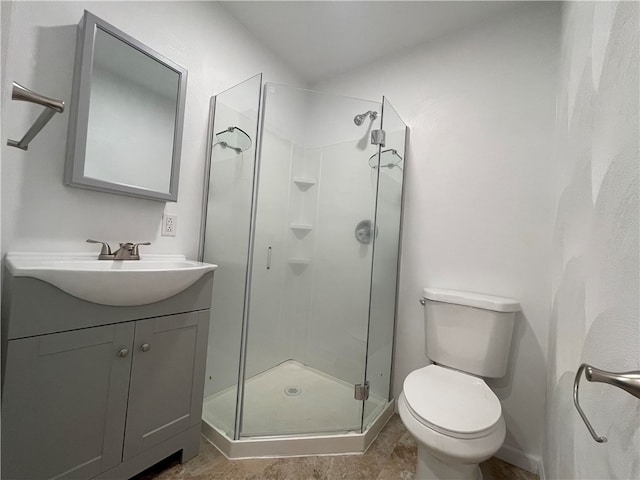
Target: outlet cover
column 169, row 225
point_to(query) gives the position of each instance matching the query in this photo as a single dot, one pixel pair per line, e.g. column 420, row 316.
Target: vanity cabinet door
column 64, row 403
column 167, row 379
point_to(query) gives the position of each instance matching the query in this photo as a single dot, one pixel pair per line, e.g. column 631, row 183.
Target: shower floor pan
column 294, row 410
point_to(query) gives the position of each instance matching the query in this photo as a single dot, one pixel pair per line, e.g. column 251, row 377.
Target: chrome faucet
column 105, row 252
column 127, row 251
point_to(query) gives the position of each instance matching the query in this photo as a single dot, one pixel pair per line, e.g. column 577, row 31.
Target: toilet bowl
column 455, row 419
column 447, row 407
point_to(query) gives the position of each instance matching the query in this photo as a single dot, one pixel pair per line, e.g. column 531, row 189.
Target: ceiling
column 320, row 39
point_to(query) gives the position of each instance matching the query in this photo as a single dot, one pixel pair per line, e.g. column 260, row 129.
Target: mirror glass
column 127, row 114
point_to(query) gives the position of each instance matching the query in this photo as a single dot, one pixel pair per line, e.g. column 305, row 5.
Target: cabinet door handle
column 123, row 353
column 269, row 258
column 145, row 347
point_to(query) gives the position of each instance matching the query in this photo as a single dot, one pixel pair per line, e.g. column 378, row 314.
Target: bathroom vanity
column 100, row 391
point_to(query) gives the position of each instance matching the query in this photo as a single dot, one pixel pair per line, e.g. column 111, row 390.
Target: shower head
column 360, row 118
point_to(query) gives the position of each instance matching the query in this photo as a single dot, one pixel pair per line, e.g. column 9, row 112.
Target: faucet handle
column 134, row 250
column 106, row 249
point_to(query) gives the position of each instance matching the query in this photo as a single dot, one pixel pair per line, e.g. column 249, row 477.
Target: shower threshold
column 294, row 410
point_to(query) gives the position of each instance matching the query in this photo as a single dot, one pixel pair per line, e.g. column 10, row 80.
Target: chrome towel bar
column 627, row 381
column 52, row 106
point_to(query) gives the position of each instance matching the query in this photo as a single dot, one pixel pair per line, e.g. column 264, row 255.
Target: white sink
column 110, row 282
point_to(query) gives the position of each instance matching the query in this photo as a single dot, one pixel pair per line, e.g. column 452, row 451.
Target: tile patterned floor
column 391, row 457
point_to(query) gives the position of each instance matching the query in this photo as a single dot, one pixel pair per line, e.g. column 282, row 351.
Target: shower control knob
column 363, row 232
column 145, row 347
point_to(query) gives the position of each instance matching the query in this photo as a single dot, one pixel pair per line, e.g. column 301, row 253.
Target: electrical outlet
column 169, row 225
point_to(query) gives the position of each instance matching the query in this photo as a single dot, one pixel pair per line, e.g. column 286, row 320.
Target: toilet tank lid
column 471, row 299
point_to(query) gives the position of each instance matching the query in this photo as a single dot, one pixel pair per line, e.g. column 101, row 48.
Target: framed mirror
column 127, row 112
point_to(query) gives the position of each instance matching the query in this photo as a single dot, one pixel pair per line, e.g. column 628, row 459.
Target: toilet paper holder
column 627, row 381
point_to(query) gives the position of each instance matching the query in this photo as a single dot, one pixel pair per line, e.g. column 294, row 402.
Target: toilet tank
column 469, row 331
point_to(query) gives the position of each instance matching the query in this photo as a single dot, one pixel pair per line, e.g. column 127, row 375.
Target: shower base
column 293, row 410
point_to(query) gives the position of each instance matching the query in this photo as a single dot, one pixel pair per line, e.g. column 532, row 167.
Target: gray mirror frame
column 79, row 113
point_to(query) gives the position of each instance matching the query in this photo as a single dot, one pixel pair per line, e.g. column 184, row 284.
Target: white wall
column 596, row 246
column 38, row 212
column 479, row 198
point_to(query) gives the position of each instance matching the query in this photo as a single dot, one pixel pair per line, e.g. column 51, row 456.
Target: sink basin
column 110, row 282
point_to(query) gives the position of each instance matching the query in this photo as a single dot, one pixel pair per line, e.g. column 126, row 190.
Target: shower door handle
column 269, row 258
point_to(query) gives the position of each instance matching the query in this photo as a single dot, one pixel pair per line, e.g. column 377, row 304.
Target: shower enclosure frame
column 292, row 445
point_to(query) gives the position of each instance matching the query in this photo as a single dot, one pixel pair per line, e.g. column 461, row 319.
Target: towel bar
column 52, row 106
column 627, row 381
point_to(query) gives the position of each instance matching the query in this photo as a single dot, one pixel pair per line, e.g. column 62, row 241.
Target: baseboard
column 514, row 456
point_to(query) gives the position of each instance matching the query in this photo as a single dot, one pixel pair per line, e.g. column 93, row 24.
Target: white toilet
column 453, row 415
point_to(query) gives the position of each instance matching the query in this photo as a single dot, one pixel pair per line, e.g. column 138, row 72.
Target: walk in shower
column 303, row 197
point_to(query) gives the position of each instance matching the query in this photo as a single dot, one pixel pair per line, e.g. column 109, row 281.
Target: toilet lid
column 452, row 402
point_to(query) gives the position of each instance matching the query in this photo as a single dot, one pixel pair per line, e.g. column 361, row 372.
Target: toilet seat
column 452, row 403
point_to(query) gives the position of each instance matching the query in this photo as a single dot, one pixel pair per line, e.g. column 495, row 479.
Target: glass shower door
column 311, row 266
column 389, row 163
column 232, row 148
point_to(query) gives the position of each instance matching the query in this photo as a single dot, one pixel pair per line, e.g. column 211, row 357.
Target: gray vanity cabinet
column 65, row 389
column 169, row 355
column 93, row 391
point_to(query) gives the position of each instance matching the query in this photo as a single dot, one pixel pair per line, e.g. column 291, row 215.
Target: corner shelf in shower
column 298, row 261
column 303, row 227
column 304, row 183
